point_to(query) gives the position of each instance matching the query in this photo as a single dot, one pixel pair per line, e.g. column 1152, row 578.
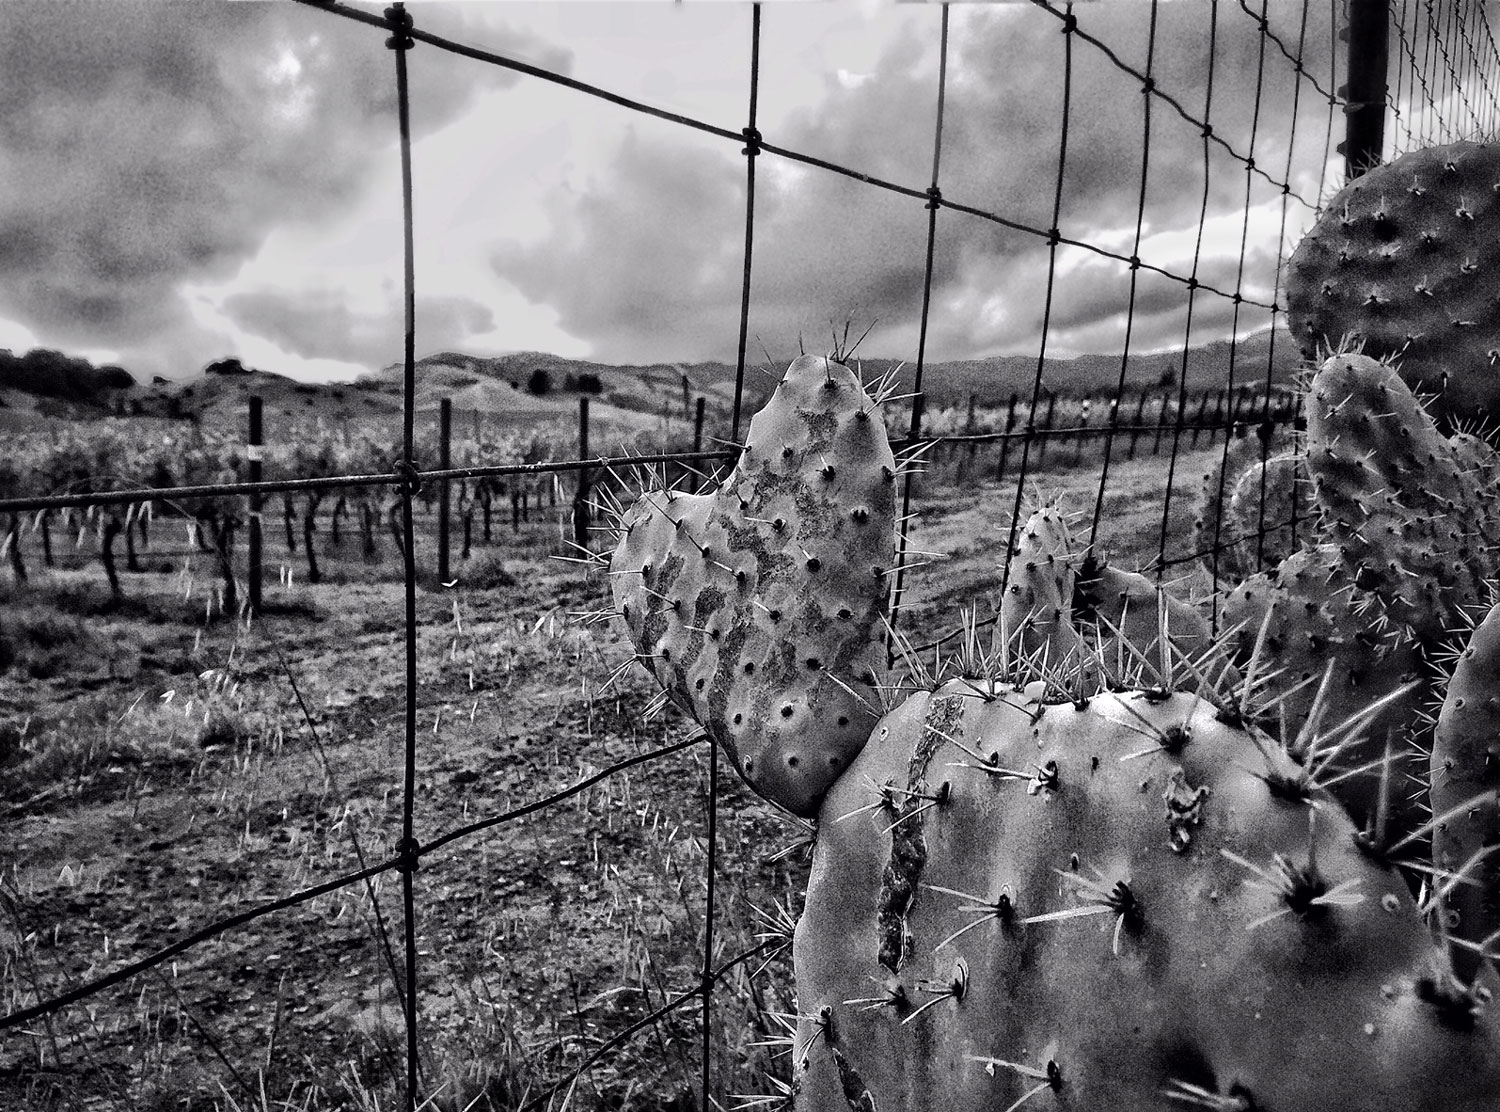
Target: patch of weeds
column 39, row 642
column 488, row 571
column 94, row 750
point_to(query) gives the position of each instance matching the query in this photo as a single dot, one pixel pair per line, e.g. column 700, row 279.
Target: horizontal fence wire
column 1450, row 47
column 417, row 479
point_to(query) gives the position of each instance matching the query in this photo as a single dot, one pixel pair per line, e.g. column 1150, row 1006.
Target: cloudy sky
column 181, row 181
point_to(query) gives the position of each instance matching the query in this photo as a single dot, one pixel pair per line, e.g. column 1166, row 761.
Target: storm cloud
column 144, row 145
column 653, row 248
column 321, row 325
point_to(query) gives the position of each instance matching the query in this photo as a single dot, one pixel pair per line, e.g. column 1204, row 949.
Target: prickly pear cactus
column 1314, row 661
column 1132, row 904
column 760, row 607
column 1465, row 793
column 1253, row 489
column 1408, row 515
column 1404, row 258
column 1069, row 616
column 1272, row 501
column 1036, row 608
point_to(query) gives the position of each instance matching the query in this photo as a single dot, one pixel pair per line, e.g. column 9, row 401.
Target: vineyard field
column 159, row 770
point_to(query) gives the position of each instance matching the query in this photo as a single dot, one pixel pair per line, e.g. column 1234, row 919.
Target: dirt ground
column 158, row 773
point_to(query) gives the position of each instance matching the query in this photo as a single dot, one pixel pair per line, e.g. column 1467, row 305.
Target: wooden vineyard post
column 1161, row 421
column 445, row 495
column 253, row 455
column 581, row 498
column 1135, row 424
column 1083, row 425
column 1010, row 425
column 1041, row 451
column 1198, row 420
column 968, row 463
column 695, row 475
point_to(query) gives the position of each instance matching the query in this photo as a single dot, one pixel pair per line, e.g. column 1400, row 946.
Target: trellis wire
column 1439, row 76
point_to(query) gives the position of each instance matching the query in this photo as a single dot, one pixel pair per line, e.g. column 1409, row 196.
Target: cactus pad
column 1404, row 258
column 760, row 607
column 1133, row 906
column 1465, row 793
column 1401, row 502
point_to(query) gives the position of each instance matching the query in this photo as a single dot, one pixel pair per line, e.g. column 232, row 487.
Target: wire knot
column 1192, row 283
column 1135, row 262
column 752, row 141
column 934, row 197
column 408, row 855
column 1148, row 86
column 411, row 478
column 1208, row 131
column 1070, row 23
column 1054, row 237
column 400, row 22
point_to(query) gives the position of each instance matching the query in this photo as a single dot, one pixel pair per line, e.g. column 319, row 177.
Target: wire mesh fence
column 1369, row 78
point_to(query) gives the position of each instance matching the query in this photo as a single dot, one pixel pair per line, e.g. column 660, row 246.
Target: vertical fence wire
column 1238, row 300
column 1054, row 236
column 400, row 41
column 914, row 429
column 751, row 151
column 706, row 976
column 1267, row 427
column 1192, row 291
column 1148, row 86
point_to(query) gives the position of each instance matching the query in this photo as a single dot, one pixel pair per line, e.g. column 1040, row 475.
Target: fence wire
column 1441, row 83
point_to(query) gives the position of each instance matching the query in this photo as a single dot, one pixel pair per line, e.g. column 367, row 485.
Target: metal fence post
column 1364, row 92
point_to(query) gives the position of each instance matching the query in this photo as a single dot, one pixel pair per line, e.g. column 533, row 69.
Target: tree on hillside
column 53, row 374
column 539, row 383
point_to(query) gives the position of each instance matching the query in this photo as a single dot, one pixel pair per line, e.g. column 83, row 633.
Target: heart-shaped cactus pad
column 760, row 607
